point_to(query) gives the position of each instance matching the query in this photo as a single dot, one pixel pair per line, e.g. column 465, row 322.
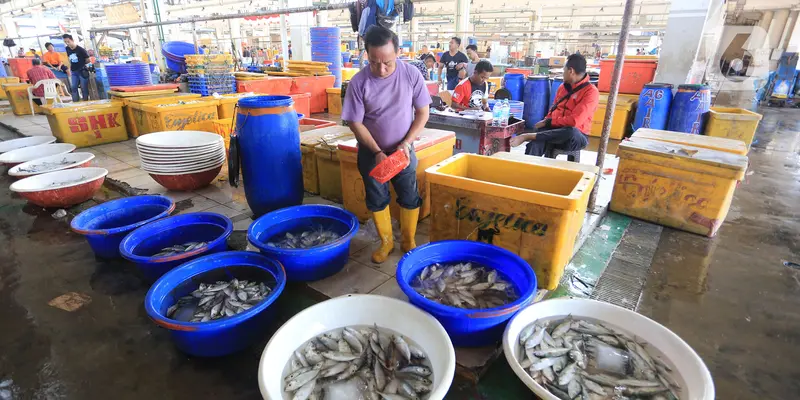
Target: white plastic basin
column 690, row 370
column 183, row 156
column 188, row 168
column 33, row 152
column 58, row 179
column 40, row 165
column 178, row 139
column 14, row 144
column 358, row 309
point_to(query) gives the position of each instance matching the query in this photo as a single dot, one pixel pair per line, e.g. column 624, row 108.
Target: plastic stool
column 574, row 156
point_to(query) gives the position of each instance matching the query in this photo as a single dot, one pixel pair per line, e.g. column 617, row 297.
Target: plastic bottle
column 506, row 113
column 497, row 113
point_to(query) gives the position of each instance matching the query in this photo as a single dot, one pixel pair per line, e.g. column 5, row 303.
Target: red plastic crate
column 390, row 167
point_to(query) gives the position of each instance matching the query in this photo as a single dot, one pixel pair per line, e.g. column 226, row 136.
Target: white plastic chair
column 50, row 92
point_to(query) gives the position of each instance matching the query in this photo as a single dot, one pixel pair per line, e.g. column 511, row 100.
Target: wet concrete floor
column 730, row 297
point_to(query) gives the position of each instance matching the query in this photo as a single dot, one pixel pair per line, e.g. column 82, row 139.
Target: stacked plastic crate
column 210, row 73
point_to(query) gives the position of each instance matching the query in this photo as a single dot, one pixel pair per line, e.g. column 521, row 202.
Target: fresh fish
column 313, row 237
column 218, row 300
column 535, row 339
column 554, row 352
column 402, row 346
column 464, row 285
column 179, row 248
column 526, row 333
column 300, row 380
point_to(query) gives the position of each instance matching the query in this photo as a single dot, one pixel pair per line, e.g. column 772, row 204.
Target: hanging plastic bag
column 233, row 153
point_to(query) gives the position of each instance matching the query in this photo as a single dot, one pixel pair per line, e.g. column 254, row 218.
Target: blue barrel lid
column 538, row 77
column 265, row 101
column 693, row 87
column 658, row 85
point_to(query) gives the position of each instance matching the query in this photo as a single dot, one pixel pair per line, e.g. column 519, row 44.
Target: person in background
column 39, row 73
column 454, row 61
column 472, row 93
column 424, row 53
column 290, row 51
column 425, row 66
column 53, row 60
column 489, row 52
column 472, row 54
column 21, row 53
column 386, row 106
column 78, row 57
column 246, row 52
column 35, row 55
column 570, row 117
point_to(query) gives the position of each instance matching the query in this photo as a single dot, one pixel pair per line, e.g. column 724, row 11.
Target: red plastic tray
column 390, row 167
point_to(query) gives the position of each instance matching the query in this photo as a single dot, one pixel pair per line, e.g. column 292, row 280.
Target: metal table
column 476, row 136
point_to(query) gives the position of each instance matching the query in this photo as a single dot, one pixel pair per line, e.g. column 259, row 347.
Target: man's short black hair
column 48, row 44
column 483, row 66
column 577, row 62
column 472, row 47
column 457, row 39
column 378, row 36
column 67, row 36
column 431, row 57
column 36, row 61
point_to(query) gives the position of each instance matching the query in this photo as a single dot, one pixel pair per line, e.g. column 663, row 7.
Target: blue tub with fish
column 105, row 225
column 230, row 333
column 143, row 244
column 306, row 264
column 469, row 327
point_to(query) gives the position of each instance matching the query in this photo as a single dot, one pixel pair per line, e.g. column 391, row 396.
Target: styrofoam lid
column 715, row 158
column 58, row 179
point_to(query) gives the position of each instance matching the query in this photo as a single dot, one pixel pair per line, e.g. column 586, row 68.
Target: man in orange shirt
column 52, row 59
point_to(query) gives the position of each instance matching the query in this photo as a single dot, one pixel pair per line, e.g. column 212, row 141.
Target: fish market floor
column 74, row 327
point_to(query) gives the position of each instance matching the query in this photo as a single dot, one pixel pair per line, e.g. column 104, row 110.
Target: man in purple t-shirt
column 386, row 107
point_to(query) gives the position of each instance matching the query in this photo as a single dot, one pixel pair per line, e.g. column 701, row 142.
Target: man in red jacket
column 570, row 116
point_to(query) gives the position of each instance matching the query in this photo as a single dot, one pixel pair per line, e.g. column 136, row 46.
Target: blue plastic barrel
column 554, row 85
column 689, row 109
column 141, row 244
column 326, row 47
column 469, row 328
column 306, row 264
column 654, row 103
column 105, row 225
column 537, row 95
column 223, row 336
column 269, row 152
column 515, row 83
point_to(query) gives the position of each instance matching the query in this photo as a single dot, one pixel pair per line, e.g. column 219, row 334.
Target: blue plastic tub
column 306, row 264
column 140, row 245
column 469, row 328
column 223, row 336
column 105, row 225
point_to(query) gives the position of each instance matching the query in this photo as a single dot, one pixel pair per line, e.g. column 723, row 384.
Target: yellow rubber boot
column 408, row 226
column 383, row 222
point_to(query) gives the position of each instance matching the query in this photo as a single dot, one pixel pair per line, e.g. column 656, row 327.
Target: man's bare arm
column 364, row 138
column 420, row 119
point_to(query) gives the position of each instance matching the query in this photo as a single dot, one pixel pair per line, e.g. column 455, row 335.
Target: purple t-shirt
column 386, row 105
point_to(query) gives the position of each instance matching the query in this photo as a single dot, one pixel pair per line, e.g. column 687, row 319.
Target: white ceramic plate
column 358, row 309
column 690, row 371
column 179, row 139
column 183, row 169
column 187, row 155
column 14, row 144
column 58, row 179
column 178, row 150
column 37, row 165
column 33, row 152
column 185, row 161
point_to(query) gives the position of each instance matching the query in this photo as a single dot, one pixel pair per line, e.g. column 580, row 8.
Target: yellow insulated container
column 17, row 94
column 329, row 170
column 732, row 123
column 128, row 112
column 308, row 141
column 192, row 115
column 527, row 208
column 8, row 79
column 226, row 103
column 707, row 142
column 87, row 123
column 349, row 73
column 684, row 187
column 334, row 100
column 623, row 113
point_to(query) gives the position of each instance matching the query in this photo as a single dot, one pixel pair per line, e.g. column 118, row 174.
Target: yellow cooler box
column 676, row 185
column 308, row 141
column 623, row 115
column 432, row 146
column 17, row 94
column 9, row 79
column 732, row 123
column 192, row 115
column 583, row 202
column 329, row 170
column 526, row 208
column 87, row 123
column 334, row 101
column 128, row 112
column 227, row 103
column 706, row 142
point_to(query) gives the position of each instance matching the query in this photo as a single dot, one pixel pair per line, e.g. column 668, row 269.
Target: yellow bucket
column 529, row 209
column 87, row 123
column 733, row 123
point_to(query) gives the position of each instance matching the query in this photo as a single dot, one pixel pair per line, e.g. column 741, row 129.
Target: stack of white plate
column 180, row 152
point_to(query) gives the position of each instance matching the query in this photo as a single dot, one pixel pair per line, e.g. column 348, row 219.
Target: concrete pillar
column 776, row 28
column 85, row 22
column 299, row 25
column 685, row 25
column 787, row 32
column 284, row 36
column 794, row 38
column 414, row 29
column 462, row 21
column 759, row 37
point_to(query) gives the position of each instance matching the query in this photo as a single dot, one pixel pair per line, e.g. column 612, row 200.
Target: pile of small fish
column 67, row 183
column 358, row 363
column 464, row 285
column 577, row 359
column 218, row 300
column 45, row 166
column 307, row 239
column 179, row 248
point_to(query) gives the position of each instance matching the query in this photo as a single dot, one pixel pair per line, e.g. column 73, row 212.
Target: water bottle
column 506, row 113
column 497, row 113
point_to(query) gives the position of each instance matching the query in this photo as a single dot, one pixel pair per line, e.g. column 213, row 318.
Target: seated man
column 570, row 116
column 473, row 93
column 424, row 66
column 39, row 73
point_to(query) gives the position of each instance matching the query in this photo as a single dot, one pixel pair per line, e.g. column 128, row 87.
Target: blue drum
column 689, row 109
column 654, row 103
column 554, row 85
column 515, row 83
column 537, row 96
